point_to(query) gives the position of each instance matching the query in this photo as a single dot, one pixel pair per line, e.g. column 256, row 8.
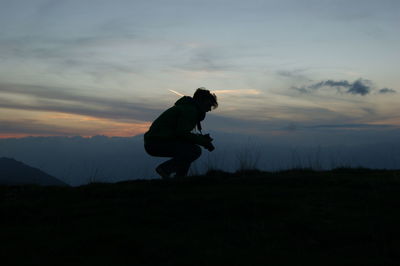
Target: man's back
column 176, row 122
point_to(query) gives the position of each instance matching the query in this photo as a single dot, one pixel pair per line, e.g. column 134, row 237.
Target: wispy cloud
column 238, row 92
column 205, row 58
column 233, row 92
column 177, row 93
column 29, row 127
column 349, row 126
column 359, row 87
column 295, row 75
column 386, row 90
column 67, row 100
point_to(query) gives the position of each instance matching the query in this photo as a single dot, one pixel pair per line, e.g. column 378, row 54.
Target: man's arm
column 186, row 122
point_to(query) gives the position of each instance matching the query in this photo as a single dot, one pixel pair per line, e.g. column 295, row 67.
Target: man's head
column 205, row 99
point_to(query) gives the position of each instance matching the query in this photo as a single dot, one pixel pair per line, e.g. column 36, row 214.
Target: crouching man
column 170, row 134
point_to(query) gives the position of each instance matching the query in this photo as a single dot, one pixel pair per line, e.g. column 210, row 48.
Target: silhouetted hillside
column 342, row 217
column 13, row 172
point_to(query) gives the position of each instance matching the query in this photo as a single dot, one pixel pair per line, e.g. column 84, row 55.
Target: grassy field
column 299, row 217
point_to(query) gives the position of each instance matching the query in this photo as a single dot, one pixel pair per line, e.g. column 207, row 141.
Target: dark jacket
column 177, row 122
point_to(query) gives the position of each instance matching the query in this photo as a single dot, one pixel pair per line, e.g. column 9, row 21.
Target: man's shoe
column 162, row 172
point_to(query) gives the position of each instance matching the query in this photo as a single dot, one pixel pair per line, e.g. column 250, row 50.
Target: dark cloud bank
column 359, row 87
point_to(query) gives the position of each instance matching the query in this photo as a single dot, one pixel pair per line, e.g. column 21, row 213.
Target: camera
column 208, row 137
column 209, row 146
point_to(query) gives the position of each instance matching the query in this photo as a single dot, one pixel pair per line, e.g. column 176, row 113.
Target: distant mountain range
column 78, row 160
column 13, row 172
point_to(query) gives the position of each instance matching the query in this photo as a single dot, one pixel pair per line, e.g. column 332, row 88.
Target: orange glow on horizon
column 390, row 121
column 127, row 133
column 21, row 135
column 70, row 125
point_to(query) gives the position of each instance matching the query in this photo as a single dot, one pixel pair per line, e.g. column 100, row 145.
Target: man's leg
column 186, row 154
column 182, row 153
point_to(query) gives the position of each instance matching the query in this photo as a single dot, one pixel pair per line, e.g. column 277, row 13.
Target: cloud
column 296, row 75
column 209, row 59
column 330, row 83
column 241, row 92
column 30, row 127
column 386, row 90
column 360, row 86
column 106, row 49
column 67, row 100
column 350, row 126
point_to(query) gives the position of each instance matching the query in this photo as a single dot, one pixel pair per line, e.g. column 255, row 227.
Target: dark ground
column 343, row 217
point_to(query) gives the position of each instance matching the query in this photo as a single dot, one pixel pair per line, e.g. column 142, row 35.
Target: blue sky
column 278, row 67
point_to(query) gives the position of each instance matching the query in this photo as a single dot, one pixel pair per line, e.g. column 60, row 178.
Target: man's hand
column 209, row 146
column 207, row 136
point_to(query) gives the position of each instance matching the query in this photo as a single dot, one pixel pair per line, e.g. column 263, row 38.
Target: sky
column 278, row 67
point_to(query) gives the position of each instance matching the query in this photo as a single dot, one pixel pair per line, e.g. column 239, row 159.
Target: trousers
column 182, row 153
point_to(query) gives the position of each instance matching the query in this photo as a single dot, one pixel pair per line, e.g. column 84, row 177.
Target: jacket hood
column 187, row 100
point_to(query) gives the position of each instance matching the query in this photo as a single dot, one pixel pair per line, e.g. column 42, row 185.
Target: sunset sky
column 100, row 67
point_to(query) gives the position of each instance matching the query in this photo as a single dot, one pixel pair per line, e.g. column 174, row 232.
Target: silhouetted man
column 170, row 134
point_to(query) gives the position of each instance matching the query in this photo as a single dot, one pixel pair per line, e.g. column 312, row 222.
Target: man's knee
column 189, row 152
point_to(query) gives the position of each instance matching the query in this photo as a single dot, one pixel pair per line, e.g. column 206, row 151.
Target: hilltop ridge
column 297, row 217
column 13, row 172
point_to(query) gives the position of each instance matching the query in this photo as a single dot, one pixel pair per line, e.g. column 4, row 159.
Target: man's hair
column 202, row 94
